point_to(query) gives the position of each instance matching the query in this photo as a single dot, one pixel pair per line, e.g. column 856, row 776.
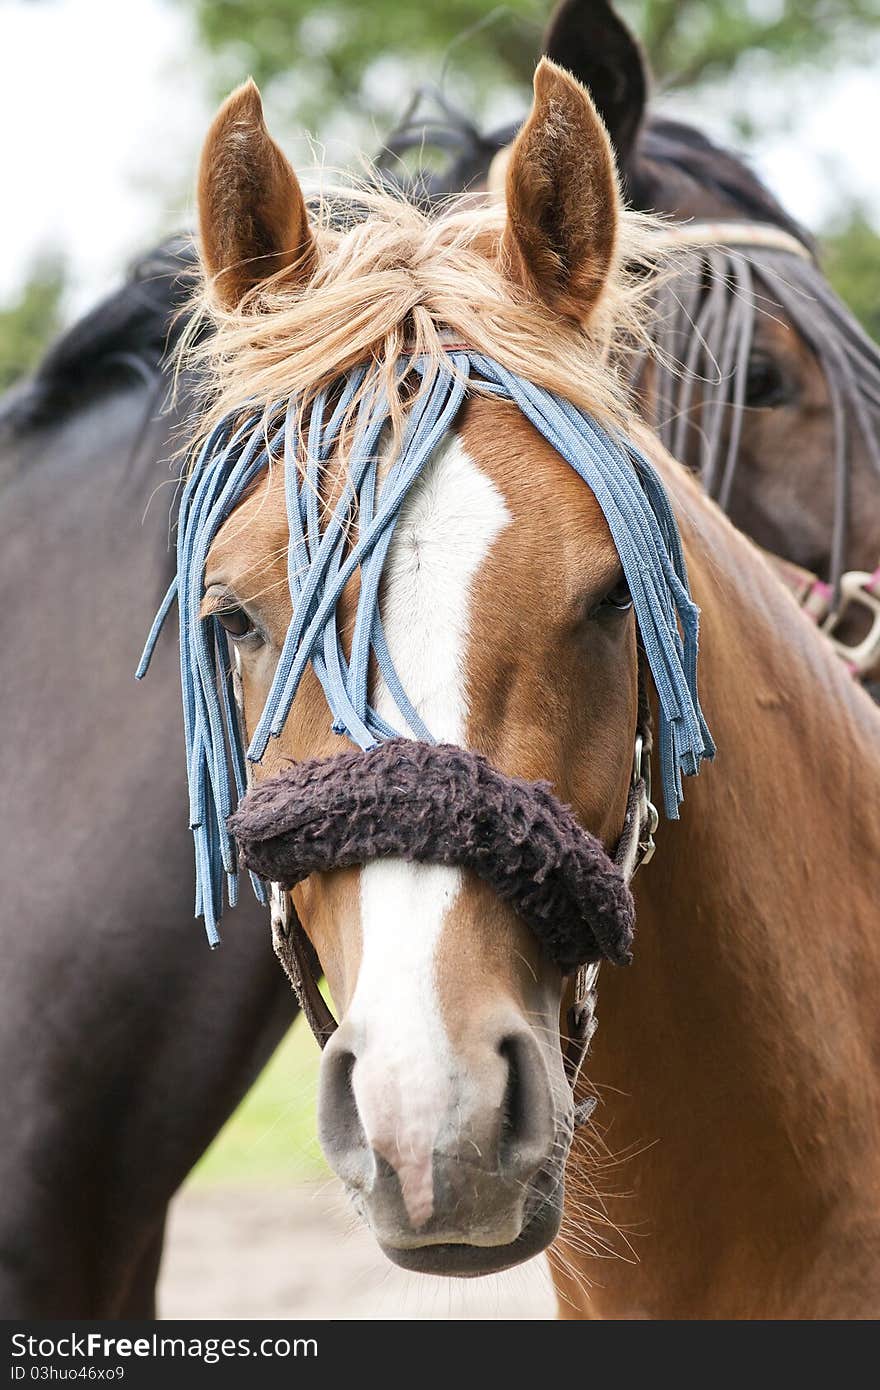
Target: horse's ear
column 562, row 198
column 253, row 218
column 588, row 39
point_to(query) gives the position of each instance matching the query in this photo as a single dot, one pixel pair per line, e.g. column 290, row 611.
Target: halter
column 756, row 235
column 440, row 804
column 356, row 538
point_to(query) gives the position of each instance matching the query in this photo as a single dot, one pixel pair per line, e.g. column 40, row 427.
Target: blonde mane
column 392, row 280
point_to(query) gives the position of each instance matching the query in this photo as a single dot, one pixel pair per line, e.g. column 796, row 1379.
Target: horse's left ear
column 562, row 198
column 253, row 218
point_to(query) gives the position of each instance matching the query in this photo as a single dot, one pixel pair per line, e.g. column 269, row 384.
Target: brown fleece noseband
column 440, row 804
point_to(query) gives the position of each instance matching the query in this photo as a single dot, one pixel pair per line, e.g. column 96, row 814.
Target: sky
column 101, row 116
column 103, row 105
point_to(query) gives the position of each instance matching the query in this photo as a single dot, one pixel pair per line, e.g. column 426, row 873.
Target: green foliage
column 330, row 46
column 29, row 322
column 272, row 1137
column 852, row 263
column 688, row 40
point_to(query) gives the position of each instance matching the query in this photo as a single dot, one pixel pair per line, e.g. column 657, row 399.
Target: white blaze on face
column 403, row 1080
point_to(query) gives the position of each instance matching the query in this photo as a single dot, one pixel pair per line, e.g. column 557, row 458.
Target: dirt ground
column 300, row 1252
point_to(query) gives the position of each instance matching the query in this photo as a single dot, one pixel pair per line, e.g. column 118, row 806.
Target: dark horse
column 125, row 1044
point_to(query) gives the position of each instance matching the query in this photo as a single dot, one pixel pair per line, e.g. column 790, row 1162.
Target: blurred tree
column 334, row 42
column 31, row 319
column 852, row 263
column 691, row 40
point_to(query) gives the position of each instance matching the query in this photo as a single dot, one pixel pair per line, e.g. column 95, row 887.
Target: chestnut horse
column 736, row 1060
column 77, row 431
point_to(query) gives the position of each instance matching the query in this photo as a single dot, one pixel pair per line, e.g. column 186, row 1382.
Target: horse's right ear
column 590, row 41
column 253, row 218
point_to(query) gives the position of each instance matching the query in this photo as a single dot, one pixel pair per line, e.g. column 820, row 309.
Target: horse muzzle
column 456, row 1160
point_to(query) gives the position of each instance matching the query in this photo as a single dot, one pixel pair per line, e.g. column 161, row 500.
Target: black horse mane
column 664, row 143
column 130, row 332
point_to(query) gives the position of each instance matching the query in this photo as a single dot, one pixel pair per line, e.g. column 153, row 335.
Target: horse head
column 505, row 614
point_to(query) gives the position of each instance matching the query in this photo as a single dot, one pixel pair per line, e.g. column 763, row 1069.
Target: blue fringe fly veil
column 357, row 536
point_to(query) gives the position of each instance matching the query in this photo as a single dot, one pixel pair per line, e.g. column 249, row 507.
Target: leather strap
column 297, row 955
column 292, row 947
column 634, row 848
column 759, row 235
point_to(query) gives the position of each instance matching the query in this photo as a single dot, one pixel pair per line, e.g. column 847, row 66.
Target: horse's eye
column 765, row 384
column 617, row 600
column 236, row 622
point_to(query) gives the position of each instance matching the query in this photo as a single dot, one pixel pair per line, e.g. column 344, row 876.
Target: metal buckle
column 642, row 773
column 581, row 1022
column 586, row 979
column 862, row 589
column 279, row 910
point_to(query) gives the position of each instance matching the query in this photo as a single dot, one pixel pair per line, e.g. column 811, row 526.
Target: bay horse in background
column 740, row 1047
column 766, row 385
column 93, row 1148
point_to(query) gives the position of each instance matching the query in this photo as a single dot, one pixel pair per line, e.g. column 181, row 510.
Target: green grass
column 272, row 1136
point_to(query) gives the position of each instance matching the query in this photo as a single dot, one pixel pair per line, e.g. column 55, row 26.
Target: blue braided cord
column 356, row 536
column 306, row 595
column 656, row 578
column 227, row 464
column 368, row 631
column 422, row 417
column 211, row 504
column 302, row 551
column 359, row 663
column 220, row 432
column 309, row 620
column 236, row 746
column 143, row 665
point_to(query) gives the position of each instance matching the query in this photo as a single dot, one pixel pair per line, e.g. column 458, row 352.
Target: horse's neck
column 744, row 1037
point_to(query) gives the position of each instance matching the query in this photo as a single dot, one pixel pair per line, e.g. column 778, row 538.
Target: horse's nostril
column 512, row 1106
column 527, row 1119
column 339, row 1126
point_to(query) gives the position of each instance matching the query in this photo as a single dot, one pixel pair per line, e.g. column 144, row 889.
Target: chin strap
column 297, row 954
